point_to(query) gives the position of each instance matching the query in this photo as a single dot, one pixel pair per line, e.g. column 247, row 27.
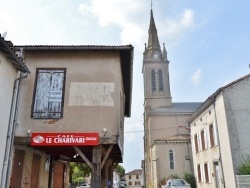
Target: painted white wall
column 8, row 74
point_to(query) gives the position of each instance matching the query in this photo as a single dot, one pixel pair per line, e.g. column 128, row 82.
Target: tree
column 79, row 171
column 188, row 177
column 119, row 168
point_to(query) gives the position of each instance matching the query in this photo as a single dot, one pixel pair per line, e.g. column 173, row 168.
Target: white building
column 220, row 134
column 12, row 71
column 134, row 178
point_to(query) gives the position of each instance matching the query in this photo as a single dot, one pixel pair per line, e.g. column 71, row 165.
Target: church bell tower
column 155, row 71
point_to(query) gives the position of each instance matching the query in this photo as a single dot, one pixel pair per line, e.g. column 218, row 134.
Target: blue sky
column 208, row 42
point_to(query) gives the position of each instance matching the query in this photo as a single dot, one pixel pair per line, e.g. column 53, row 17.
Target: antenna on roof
column 4, row 35
column 151, row 5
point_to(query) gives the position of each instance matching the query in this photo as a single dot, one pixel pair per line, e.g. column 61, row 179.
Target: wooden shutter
column 49, row 92
column 35, row 171
column 17, row 169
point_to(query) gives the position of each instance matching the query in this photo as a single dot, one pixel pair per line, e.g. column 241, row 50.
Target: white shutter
column 203, row 179
column 215, row 134
column 209, row 175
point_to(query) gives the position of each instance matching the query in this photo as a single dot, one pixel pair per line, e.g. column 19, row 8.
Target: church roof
column 181, row 137
column 182, row 107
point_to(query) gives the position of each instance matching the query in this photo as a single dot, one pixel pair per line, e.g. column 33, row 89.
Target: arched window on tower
column 160, row 80
column 153, row 81
column 171, row 159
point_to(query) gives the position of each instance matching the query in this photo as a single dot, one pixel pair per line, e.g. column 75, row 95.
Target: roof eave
column 12, row 57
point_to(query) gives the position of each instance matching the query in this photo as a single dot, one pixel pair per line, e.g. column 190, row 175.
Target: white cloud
column 196, row 77
column 127, row 16
column 174, row 29
column 121, row 13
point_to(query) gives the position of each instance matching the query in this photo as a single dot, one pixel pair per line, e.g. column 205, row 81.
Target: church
column 167, row 143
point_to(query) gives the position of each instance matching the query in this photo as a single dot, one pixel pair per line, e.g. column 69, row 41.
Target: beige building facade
column 12, row 71
column 166, row 135
column 71, row 90
column 134, row 178
column 220, row 135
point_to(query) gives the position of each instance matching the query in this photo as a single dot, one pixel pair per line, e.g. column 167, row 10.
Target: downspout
column 218, row 139
column 11, row 132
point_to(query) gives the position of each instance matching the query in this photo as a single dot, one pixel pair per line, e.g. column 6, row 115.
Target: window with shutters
column 211, row 134
column 196, row 143
column 199, row 173
column 203, row 140
column 206, row 172
column 48, row 94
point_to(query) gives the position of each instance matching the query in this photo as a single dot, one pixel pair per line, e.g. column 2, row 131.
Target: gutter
column 218, row 139
column 11, row 132
column 72, row 47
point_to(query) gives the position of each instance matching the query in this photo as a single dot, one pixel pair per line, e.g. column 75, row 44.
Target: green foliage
column 188, row 177
column 82, row 167
column 174, row 176
column 244, row 168
column 119, row 168
column 79, row 171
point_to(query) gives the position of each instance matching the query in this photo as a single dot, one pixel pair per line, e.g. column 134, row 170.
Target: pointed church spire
column 153, row 41
column 155, row 70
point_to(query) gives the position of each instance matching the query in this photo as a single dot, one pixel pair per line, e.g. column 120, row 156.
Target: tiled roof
column 135, row 172
column 182, row 137
column 184, row 107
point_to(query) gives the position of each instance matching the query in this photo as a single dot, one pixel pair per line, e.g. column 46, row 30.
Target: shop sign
column 64, row 139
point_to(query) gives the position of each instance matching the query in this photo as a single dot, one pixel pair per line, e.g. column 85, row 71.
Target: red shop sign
column 65, row 139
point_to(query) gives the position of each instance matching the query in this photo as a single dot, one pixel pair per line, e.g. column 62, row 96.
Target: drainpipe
column 218, row 139
column 11, row 132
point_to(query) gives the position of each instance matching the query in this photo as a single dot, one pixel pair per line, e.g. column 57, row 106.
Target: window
column 129, row 177
column 171, row 159
column 206, row 173
column 137, row 176
column 48, row 93
column 153, row 80
column 199, row 173
column 211, row 134
column 196, row 143
column 203, row 139
column 137, row 183
column 130, row 183
column 160, row 80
